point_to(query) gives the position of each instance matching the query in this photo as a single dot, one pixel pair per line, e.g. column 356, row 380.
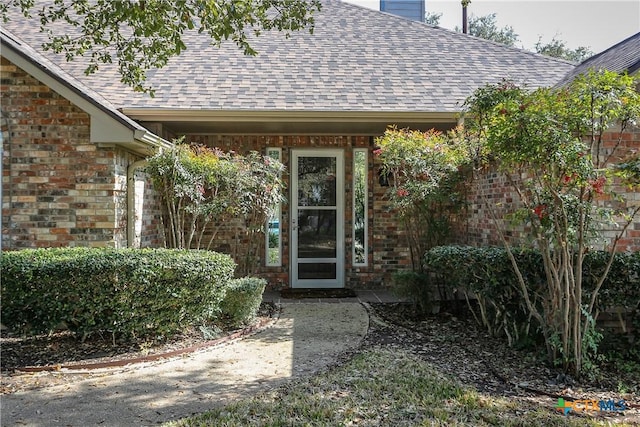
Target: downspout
column 131, row 202
column 5, row 135
column 2, row 183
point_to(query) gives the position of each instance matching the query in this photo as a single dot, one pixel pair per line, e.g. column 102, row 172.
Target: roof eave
column 138, row 138
column 185, row 115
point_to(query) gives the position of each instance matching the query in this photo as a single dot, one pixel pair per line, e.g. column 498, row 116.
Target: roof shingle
column 357, row 59
column 621, row 57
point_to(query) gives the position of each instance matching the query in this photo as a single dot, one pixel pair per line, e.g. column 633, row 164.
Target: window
column 360, row 204
column 273, row 234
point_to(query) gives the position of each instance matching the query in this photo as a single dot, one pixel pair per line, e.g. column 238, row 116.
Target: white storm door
column 317, row 218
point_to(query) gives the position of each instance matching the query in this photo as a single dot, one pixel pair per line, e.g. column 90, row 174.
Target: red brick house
column 479, row 229
column 68, row 158
column 74, row 144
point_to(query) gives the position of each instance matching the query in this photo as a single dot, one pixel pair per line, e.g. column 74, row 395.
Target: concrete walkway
column 306, row 338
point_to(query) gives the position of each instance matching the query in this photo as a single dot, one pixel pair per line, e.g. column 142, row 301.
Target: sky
column 595, row 24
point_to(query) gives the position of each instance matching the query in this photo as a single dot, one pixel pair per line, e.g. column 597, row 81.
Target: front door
column 317, row 219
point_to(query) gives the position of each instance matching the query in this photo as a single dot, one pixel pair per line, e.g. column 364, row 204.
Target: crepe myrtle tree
column 259, row 190
column 551, row 141
column 421, row 168
column 205, row 189
column 145, row 34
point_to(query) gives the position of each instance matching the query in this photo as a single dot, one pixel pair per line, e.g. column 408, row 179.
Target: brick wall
column 618, row 146
column 486, row 192
column 58, row 189
column 492, row 189
column 387, row 249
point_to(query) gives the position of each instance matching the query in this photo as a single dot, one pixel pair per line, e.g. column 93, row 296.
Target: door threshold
column 300, row 293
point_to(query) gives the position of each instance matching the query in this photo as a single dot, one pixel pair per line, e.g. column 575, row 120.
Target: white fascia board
column 106, row 130
column 168, row 115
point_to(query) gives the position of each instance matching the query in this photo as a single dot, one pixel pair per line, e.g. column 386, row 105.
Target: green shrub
column 242, row 300
column 126, row 292
column 486, row 278
column 415, row 286
column 621, row 288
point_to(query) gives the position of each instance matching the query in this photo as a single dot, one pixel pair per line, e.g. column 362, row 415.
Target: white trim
column 339, row 260
column 366, row 209
column 172, row 114
column 134, row 222
column 152, row 139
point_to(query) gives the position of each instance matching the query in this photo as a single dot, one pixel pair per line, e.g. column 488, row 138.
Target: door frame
column 339, row 260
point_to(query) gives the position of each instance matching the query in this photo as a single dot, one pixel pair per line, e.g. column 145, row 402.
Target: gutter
column 151, row 139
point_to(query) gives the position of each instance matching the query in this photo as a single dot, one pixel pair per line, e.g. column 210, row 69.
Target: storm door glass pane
column 317, row 181
column 317, row 271
column 317, row 233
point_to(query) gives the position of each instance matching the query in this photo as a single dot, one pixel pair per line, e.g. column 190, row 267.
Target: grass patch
column 379, row 388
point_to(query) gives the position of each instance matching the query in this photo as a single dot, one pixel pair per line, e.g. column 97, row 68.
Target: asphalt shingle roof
column 621, row 57
column 357, row 59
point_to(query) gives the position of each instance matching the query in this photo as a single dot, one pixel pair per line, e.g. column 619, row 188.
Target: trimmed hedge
column 130, row 293
column 242, row 301
column 487, row 274
column 415, row 286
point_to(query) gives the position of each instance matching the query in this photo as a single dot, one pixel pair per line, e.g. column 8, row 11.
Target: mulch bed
column 450, row 341
column 453, row 343
column 63, row 349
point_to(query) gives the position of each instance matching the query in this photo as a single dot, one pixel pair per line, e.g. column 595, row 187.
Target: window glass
column 273, row 231
column 360, row 206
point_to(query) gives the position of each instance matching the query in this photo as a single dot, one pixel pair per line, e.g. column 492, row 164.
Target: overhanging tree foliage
column 146, row 34
column 486, row 27
column 553, row 140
